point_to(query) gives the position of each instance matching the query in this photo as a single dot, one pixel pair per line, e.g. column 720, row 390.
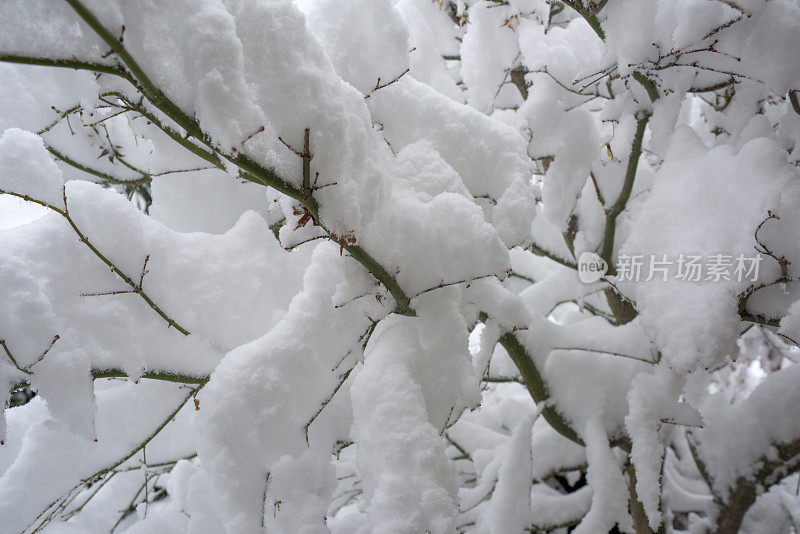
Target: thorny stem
column 11, row 357
column 145, row 178
column 252, row 170
column 363, row 340
column 307, row 163
column 535, row 384
column 211, row 157
column 540, row 251
column 65, row 63
column 622, row 308
column 648, row 84
column 589, row 14
column 164, row 376
column 613, row 211
column 63, row 115
column 784, row 278
column 83, row 239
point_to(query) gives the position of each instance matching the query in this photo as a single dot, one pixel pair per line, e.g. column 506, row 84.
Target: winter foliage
column 306, row 266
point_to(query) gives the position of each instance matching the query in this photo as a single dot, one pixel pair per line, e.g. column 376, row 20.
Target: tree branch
column 83, row 239
column 535, row 385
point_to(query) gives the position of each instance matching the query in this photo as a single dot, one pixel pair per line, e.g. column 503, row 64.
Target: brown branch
column 379, row 86
column 783, row 463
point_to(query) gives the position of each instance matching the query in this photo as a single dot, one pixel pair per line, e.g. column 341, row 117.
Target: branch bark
column 743, row 495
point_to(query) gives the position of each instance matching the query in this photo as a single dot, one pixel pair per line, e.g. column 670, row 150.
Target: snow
column 738, row 437
column 45, row 28
column 736, row 189
column 431, row 37
column 409, row 484
column 410, row 110
column 56, row 460
column 609, row 490
column 271, row 371
column 652, row 400
column 27, row 169
column 509, row 511
column 16, row 212
column 324, row 410
column 365, row 39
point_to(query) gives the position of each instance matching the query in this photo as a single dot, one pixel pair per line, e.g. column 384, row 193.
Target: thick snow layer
column 48, row 28
column 409, row 483
column 497, row 170
column 366, row 40
column 27, row 170
column 737, row 438
column 56, row 460
column 733, row 189
column 437, row 131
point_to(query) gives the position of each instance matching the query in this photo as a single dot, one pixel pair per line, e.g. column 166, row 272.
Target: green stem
column 590, row 16
column 648, row 84
column 595, row 25
column 539, row 251
column 65, row 63
column 617, row 208
column 143, row 83
column 252, row 171
column 622, row 309
column 640, row 523
column 210, row 157
column 145, row 179
column 536, row 387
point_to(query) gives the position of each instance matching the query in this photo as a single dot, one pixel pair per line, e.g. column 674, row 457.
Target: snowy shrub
column 407, row 266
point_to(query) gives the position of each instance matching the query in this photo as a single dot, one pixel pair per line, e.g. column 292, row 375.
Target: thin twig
column 83, row 239
column 379, row 86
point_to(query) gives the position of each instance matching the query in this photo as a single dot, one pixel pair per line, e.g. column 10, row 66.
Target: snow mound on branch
column 54, row 460
column 510, row 508
column 49, row 28
column 409, row 483
column 653, row 403
column 639, row 31
column 267, row 382
column 54, row 284
column 488, row 51
column 432, row 35
column 427, row 193
column 737, row 437
column 610, row 491
column 497, row 170
column 27, row 169
column 365, row 39
column 573, row 161
column 704, row 202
